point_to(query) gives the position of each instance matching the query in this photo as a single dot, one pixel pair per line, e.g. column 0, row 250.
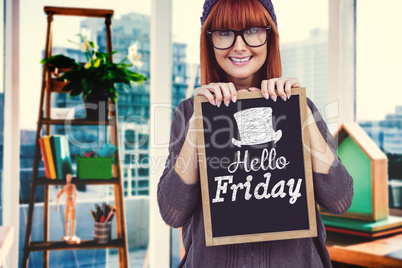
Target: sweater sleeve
column 333, row 191
column 176, row 199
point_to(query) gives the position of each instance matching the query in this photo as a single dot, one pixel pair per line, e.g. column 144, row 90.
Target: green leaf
column 97, row 63
column 136, row 77
column 61, row 61
column 92, row 44
column 68, row 87
column 72, row 75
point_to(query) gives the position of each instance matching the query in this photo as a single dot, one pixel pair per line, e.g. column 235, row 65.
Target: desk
column 6, row 240
column 366, row 252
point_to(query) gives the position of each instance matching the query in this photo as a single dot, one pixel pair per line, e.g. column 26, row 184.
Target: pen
column 108, row 209
column 110, row 216
column 93, row 215
column 99, row 213
column 104, row 208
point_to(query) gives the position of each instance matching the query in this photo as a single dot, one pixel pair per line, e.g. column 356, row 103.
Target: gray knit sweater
column 180, row 206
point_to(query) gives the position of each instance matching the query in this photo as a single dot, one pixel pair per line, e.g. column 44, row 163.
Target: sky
column 378, row 59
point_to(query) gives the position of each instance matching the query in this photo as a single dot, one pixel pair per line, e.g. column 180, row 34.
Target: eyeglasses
column 255, row 36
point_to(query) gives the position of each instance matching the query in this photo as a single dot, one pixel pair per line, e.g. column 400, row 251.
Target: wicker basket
column 94, row 167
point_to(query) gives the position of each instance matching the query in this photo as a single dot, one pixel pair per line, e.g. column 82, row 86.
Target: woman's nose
column 239, row 44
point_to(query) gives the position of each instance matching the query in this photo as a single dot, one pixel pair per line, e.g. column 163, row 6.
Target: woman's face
column 241, row 62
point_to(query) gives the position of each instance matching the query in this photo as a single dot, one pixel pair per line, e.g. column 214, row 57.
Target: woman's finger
column 233, row 91
column 209, row 96
column 271, row 88
column 218, row 94
column 293, row 84
column 280, row 88
column 288, row 86
column 264, row 88
column 204, row 91
column 226, row 93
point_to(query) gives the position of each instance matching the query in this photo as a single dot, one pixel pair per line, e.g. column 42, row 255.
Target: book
column 365, row 234
column 364, row 226
column 49, row 156
column 53, row 149
column 44, row 158
column 61, row 156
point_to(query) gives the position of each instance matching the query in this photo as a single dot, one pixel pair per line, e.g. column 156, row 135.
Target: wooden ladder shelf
column 45, row 121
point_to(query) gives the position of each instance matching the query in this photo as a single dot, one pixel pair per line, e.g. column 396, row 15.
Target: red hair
column 238, row 14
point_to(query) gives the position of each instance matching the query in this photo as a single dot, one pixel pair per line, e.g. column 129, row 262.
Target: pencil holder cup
column 102, row 233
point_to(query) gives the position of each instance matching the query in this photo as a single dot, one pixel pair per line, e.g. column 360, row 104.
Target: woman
column 245, row 58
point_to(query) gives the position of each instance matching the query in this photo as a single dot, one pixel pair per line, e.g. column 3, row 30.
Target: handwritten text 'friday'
column 268, row 161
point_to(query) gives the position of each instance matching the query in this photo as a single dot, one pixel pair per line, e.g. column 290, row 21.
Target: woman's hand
column 283, row 87
column 226, row 92
column 222, row 92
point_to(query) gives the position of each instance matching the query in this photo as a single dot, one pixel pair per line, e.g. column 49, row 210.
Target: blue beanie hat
column 209, row 3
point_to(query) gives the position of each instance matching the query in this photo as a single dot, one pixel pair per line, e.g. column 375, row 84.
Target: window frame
column 11, row 153
column 160, row 118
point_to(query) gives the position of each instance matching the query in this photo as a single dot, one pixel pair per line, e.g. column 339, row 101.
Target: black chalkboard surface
column 255, row 169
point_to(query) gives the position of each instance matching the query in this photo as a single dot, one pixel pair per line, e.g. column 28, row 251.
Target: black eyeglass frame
column 237, row 33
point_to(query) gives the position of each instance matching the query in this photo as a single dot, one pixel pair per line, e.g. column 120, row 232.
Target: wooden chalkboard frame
column 269, row 236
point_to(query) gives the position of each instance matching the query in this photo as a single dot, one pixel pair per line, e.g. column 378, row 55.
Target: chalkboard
column 255, row 169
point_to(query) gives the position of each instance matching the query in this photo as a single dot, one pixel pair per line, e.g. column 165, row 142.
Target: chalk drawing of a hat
column 255, row 127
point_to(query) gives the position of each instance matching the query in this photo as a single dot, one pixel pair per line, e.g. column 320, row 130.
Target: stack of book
column 390, row 225
column 56, row 156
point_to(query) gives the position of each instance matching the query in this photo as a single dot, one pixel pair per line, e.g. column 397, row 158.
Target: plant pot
column 97, row 107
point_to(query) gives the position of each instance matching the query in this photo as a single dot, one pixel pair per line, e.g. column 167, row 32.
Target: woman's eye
column 252, row 31
column 225, row 33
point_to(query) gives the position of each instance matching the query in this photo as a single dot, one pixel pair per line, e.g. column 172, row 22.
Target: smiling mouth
column 240, row 59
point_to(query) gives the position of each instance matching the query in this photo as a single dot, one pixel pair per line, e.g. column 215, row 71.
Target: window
column 304, row 47
column 185, row 49
column 129, row 139
column 129, row 24
column 143, row 159
column 143, row 184
column 379, row 100
column 143, row 192
column 143, row 142
column 143, row 172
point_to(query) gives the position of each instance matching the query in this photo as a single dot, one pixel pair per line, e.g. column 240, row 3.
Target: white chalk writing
column 268, row 161
column 278, row 190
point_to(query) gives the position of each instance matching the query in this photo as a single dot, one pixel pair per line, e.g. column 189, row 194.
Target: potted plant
column 96, row 79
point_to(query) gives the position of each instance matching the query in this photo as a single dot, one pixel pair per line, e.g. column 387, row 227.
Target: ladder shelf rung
column 87, row 12
column 84, row 244
column 75, row 180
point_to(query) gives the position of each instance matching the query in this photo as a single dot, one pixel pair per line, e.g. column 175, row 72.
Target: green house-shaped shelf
column 367, row 164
